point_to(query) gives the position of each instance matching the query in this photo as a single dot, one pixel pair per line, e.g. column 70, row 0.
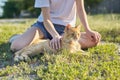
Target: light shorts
column 40, row 25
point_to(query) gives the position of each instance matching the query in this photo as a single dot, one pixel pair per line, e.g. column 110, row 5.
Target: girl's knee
column 15, row 46
column 94, row 44
column 87, row 43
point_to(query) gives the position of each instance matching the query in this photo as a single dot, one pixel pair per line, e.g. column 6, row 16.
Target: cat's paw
column 86, row 53
column 16, row 58
column 21, row 58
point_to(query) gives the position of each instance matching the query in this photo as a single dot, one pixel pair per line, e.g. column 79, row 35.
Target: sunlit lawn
column 101, row 63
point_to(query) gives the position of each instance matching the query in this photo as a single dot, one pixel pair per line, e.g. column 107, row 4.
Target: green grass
column 101, row 62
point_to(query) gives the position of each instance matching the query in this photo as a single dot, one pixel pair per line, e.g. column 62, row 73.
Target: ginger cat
column 69, row 42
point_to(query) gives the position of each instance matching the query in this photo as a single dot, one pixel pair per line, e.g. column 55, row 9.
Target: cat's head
column 72, row 33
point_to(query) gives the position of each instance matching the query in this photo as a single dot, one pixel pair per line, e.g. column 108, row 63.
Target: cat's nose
column 76, row 37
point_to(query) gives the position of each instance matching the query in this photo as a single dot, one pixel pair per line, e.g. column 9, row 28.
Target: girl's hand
column 55, row 43
column 93, row 35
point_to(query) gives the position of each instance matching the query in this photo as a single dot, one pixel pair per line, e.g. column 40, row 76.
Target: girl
column 55, row 15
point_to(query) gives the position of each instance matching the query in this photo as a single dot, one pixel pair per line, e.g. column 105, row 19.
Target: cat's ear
column 67, row 27
column 78, row 27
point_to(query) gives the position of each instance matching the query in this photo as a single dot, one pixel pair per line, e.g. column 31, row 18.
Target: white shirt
column 61, row 11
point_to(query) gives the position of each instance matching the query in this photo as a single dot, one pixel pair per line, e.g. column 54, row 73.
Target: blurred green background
column 25, row 8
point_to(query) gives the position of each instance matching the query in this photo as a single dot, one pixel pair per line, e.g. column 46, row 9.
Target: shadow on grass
column 6, row 56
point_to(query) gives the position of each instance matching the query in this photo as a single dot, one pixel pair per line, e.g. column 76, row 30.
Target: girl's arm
column 82, row 14
column 94, row 36
column 47, row 22
column 55, row 42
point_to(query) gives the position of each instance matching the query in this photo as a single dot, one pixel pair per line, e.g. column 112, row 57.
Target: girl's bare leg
column 85, row 42
column 26, row 38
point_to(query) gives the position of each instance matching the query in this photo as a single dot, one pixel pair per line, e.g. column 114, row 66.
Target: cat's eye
column 72, row 34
